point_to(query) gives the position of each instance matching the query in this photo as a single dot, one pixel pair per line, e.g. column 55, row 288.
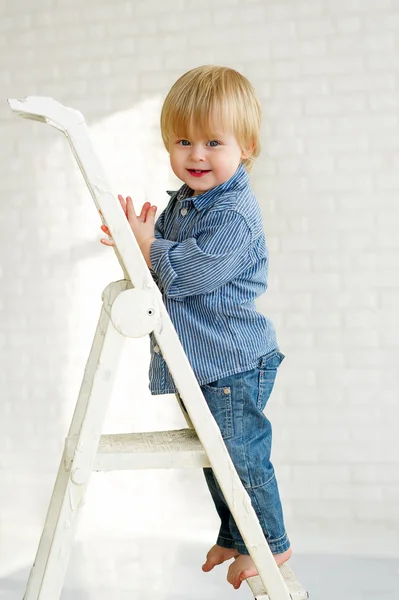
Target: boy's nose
column 197, row 153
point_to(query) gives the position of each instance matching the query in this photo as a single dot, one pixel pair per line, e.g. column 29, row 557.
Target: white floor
column 170, row 570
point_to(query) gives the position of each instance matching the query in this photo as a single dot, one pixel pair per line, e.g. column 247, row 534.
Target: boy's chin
column 197, row 184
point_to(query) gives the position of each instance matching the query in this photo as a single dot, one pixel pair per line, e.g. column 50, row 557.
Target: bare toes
column 233, row 577
column 207, row 566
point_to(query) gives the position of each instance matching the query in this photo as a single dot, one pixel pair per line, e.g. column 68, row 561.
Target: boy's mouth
column 198, row 172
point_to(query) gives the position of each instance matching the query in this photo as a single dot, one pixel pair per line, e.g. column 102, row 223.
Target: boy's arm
column 201, row 264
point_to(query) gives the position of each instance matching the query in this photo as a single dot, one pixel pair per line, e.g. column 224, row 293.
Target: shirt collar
column 239, row 180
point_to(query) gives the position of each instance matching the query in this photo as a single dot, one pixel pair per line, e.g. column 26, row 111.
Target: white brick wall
column 327, row 182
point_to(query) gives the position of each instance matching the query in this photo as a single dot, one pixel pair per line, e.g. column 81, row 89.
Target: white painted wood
column 47, row 575
column 72, row 124
column 150, row 450
column 135, row 313
column 257, row 588
column 185, row 415
column 297, row 592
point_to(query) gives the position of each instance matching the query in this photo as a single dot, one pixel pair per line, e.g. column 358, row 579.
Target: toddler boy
column 208, row 255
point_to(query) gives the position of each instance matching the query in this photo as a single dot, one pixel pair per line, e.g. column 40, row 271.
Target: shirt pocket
column 220, row 404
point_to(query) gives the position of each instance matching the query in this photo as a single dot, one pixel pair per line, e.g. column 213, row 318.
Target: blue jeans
column 237, row 403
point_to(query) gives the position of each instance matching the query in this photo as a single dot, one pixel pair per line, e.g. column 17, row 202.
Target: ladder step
column 179, row 448
column 257, row 588
column 296, row 590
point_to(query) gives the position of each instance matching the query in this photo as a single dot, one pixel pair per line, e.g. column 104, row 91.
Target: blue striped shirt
column 210, row 261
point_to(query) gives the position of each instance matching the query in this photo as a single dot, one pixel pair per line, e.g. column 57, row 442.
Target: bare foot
column 283, row 557
column 217, row 555
column 244, row 567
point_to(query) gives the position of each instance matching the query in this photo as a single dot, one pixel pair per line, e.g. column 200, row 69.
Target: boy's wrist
column 145, row 248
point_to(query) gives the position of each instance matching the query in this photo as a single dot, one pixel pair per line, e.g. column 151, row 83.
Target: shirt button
column 183, row 212
column 156, row 349
column 226, row 390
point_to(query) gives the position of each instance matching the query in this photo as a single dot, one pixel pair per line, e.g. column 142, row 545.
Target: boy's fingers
column 151, row 214
column 123, row 203
column 130, row 212
column 144, row 211
column 107, row 242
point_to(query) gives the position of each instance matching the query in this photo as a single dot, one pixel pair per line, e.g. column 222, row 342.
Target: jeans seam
column 255, row 487
column 225, row 539
column 229, row 415
column 260, row 390
column 275, row 540
column 244, row 446
column 225, row 542
column 279, row 547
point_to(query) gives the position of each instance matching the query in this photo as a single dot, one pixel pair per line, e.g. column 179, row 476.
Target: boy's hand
column 142, row 226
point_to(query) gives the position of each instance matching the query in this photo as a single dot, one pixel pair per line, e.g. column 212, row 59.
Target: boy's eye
column 184, row 142
column 214, row 143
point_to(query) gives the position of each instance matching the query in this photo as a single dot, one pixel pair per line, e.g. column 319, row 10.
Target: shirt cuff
column 160, row 262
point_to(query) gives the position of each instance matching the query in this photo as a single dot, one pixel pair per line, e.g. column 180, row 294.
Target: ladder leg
column 48, row 572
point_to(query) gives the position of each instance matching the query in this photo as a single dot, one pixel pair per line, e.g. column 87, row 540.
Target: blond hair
column 210, row 95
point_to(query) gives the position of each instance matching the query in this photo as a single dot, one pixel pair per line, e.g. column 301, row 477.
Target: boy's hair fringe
column 212, row 92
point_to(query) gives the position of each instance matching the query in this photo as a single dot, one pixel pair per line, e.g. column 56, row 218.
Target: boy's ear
column 246, row 152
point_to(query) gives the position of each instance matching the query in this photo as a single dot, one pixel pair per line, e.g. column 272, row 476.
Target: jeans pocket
column 220, row 404
column 271, row 361
column 267, row 376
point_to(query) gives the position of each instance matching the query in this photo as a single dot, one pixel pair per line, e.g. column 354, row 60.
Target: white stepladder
column 133, row 308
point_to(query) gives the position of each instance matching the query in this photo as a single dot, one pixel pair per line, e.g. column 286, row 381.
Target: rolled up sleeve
column 215, row 254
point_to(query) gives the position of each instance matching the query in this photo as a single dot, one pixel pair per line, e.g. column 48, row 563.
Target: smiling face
column 210, row 122
column 204, row 162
